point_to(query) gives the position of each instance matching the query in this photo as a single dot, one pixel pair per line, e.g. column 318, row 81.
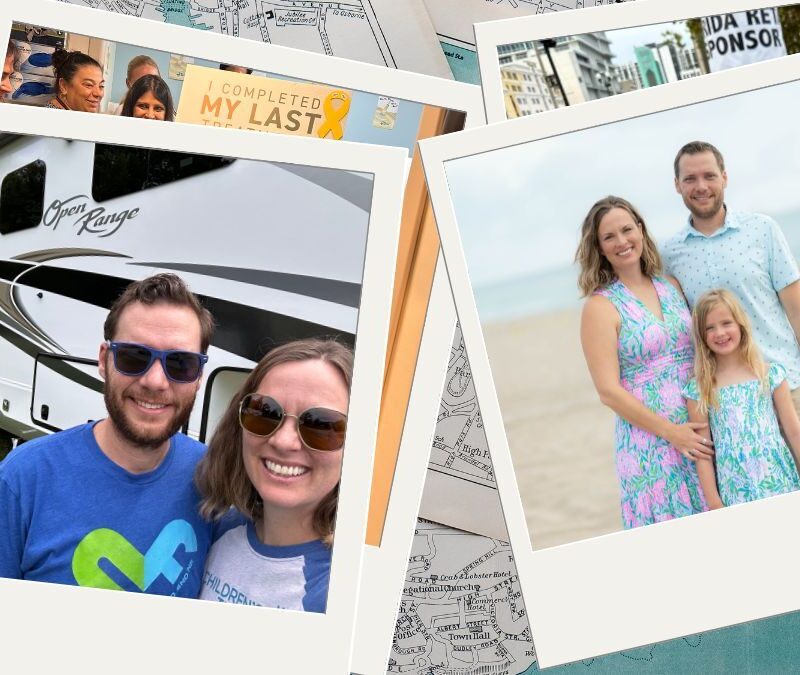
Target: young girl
column 743, row 398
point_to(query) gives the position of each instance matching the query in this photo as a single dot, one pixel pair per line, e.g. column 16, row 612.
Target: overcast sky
column 519, row 208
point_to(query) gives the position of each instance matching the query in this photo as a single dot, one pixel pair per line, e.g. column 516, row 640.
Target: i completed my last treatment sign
column 222, row 98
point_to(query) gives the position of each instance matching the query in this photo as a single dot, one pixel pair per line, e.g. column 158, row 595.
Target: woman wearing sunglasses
column 276, row 457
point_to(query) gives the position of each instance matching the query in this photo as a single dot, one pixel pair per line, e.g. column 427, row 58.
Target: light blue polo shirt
column 749, row 256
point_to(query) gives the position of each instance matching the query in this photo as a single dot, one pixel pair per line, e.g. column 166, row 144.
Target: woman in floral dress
column 636, row 337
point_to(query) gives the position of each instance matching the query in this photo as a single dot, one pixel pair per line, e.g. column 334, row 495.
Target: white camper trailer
column 275, row 251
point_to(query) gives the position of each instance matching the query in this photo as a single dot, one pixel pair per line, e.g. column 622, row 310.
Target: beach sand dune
column 561, row 436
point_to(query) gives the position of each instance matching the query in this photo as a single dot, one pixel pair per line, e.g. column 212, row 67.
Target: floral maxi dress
column 656, row 359
column 752, row 459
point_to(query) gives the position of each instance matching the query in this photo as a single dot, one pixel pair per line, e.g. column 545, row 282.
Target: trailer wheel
column 6, row 444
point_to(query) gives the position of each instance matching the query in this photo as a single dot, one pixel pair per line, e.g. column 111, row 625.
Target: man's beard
column 133, row 435
column 710, row 211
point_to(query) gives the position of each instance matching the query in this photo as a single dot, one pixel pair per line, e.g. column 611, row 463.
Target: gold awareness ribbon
column 334, row 114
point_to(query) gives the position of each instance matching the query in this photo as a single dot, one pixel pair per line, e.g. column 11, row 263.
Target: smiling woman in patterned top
column 636, row 337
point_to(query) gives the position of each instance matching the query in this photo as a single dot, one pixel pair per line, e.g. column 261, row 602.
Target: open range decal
column 76, row 213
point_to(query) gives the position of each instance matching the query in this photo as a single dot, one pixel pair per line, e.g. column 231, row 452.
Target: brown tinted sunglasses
column 319, row 428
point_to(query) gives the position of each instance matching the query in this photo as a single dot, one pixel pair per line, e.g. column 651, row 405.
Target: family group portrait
column 641, row 312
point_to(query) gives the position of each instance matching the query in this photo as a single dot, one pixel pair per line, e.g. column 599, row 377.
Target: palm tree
column 675, row 38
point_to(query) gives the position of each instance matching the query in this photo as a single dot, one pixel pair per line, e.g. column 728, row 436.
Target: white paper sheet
column 453, row 19
column 382, row 32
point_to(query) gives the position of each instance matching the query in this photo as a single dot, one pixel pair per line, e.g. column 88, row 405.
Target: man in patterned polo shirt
column 743, row 252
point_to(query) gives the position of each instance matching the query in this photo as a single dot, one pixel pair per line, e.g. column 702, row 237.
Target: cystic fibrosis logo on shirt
column 142, row 570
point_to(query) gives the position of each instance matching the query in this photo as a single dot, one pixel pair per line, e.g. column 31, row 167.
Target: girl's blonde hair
column 596, row 272
column 705, row 365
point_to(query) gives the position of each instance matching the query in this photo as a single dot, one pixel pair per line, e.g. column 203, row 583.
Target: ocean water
column 556, row 289
column 528, row 295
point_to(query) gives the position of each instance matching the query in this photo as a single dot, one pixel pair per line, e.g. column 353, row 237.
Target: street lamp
column 549, row 44
column 607, row 81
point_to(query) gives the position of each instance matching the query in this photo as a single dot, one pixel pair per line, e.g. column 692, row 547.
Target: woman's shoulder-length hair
column 221, row 476
column 595, row 270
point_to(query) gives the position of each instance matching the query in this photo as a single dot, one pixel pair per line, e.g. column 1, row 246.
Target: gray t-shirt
column 240, row 569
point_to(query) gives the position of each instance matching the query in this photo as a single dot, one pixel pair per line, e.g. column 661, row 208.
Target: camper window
column 22, row 198
column 120, row 171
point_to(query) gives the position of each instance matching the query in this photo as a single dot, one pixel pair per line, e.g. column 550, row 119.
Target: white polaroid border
column 375, row 623
column 492, row 34
column 384, row 567
column 136, row 630
column 653, row 583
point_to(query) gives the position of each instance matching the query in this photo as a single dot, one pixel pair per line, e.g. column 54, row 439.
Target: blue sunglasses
column 132, row 359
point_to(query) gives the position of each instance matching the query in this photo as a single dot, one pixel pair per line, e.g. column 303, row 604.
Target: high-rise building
column 665, row 62
column 584, row 64
column 513, row 51
column 537, row 76
column 689, row 63
column 629, row 76
column 649, row 66
column 667, row 56
column 525, row 89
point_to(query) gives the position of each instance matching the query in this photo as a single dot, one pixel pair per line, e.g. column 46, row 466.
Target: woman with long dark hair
column 149, row 98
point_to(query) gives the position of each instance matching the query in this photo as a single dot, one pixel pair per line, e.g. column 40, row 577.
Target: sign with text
column 743, row 37
column 222, row 98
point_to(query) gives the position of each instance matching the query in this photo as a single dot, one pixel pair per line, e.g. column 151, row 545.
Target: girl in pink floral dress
column 636, row 336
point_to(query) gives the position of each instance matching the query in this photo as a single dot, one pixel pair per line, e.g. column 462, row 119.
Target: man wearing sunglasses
column 112, row 504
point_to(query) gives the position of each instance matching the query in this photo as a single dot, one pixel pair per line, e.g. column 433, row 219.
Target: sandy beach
column 561, row 436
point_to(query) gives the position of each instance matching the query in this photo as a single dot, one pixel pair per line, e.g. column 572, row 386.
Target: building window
column 22, row 198
column 120, row 171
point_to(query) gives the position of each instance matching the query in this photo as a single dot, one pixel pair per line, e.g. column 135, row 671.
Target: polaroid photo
column 532, row 64
column 286, row 242
column 384, row 107
column 581, row 451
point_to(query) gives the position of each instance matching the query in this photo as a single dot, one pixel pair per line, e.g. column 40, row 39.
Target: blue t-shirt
column 70, row 515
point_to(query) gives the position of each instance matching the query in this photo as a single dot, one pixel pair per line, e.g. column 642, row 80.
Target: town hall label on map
column 235, row 100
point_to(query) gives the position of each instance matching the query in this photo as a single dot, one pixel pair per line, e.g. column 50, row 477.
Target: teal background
column 758, row 647
column 463, row 63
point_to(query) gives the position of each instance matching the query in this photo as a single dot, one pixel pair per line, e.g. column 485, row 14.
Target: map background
column 753, row 647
